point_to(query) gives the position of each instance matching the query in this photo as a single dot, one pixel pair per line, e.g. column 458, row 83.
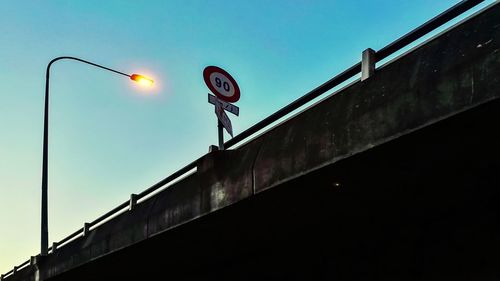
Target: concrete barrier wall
column 454, row 72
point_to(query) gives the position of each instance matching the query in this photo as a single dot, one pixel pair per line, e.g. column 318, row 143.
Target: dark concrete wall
column 452, row 73
column 455, row 72
column 420, row 207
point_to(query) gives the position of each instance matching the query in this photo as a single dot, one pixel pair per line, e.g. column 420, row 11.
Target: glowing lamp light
column 143, row 80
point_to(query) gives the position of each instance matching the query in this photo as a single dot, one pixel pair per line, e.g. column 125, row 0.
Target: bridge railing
column 352, row 71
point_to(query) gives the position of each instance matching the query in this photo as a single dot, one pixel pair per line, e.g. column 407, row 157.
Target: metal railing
column 354, row 70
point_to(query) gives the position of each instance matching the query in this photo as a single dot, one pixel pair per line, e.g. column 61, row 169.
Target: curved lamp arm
column 80, row 60
column 44, row 205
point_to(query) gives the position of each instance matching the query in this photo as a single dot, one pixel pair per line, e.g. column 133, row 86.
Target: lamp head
column 143, row 80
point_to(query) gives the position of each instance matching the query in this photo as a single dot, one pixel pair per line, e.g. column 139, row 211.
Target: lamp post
column 44, row 220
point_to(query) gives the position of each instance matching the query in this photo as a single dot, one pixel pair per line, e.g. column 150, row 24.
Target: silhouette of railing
column 354, row 70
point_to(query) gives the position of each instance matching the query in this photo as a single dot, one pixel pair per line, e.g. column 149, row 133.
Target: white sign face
column 223, row 85
column 223, row 118
column 227, row 106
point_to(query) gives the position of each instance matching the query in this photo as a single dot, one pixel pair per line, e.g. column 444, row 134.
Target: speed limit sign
column 221, row 83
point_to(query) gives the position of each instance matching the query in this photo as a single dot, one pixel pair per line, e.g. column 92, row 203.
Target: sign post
column 220, row 131
column 226, row 91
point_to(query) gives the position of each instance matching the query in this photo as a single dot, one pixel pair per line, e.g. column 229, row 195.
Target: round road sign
column 221, row 84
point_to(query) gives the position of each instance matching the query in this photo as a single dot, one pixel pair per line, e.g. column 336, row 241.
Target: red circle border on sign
column 206, row 76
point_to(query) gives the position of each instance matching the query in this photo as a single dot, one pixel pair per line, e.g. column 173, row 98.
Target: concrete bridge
column 392, row 178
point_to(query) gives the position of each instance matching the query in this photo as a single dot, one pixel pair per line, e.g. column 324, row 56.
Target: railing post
column 133, row 201
column 14, row 271
column 86, row 229
column 33, row 260
column 1, row 277
column 54, row 247
column 367, row 64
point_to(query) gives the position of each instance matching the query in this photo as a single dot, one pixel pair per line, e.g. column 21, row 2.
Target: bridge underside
column 423, row 206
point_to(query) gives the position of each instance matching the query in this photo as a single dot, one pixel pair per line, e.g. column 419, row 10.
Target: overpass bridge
column 394, row 177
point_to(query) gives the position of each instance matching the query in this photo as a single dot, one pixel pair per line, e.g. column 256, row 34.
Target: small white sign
column 227, row 106
column 223, row 118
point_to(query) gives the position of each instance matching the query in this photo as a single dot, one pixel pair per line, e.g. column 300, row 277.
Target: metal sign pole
column 221, row 134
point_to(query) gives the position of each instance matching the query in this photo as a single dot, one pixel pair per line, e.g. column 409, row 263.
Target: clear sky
column 109, row 137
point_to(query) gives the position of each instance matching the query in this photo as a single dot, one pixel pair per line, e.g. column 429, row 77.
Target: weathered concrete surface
column 455, row 72
column 423, row 206
column 228, row 175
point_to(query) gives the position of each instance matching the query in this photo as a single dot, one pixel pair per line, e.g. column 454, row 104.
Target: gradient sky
column 109, row 137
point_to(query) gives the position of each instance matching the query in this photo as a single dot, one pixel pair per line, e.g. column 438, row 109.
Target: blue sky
column 109, row 137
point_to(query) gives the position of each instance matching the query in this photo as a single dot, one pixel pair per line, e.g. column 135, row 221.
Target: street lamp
column 44, row 222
